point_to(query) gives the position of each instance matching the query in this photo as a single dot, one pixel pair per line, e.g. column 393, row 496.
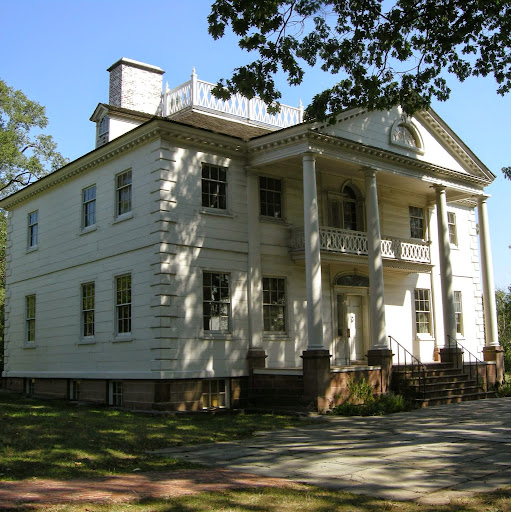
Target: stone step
column 430, row 401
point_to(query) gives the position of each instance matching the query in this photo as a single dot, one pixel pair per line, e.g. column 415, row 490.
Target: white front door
column 354, row 326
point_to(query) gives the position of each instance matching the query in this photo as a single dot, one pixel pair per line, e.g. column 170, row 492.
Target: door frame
column 340, row 343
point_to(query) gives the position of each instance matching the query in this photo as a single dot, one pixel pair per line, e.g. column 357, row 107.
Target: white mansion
column 206, row 250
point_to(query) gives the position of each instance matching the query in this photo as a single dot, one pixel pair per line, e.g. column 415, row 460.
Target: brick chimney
column 135, row 86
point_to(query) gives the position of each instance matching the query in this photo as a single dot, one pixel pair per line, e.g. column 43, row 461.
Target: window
column 416, row 222
column 30, row 317
column 214, row 393
column 89, row 206
column 274, row 304
column 74, row 390
column 123, row 190
column 458, row 313
column 116, row 393
column 422, row 311
column 123, row 303
column 103, row 126
column 216, row 302
column 214, row 186
column 270, row 197
column 30, row 387
column 451, row 224
column 88, row 292
column 345, row 210
column 33, row 229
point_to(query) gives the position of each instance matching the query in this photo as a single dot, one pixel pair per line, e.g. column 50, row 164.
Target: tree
column 503, row 300
column 386, row 53
column 24, row 155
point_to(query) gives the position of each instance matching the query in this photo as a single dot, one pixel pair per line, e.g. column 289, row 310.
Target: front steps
column 441, row 383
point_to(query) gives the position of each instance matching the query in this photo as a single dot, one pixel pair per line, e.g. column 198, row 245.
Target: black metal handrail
column 417, row 368
column 472, row 361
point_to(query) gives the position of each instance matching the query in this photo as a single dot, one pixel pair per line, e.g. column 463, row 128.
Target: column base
column 452, row 355
column 496, row 353
column 317, row 378
column 382, row 357
column 256, row 358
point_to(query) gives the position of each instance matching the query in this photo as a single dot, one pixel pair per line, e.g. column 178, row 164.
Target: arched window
column 405, row 134
column 103, row 126
column 346, row 210
column 352, row 280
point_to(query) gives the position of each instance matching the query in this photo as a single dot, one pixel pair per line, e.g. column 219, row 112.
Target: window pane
column 270, row 197
column 216, row 301
column 274, row 304
column 124, row 193
column 214, row 186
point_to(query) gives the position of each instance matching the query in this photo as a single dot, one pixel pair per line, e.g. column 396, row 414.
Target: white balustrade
column 344, row 241
column 197, row 93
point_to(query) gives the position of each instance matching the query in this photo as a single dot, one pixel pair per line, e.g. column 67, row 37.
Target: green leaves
column 24, row 156
column 402, row 55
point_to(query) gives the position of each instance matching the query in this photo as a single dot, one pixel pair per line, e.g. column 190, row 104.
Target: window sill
column 32, row 249
column 30, row 344
column 221, row 336
column 216, row 212
column 121, row 338
column 272, row 220
column 123, row 217
column 86, row 341
column 88, row 229
column 268, row 336
column 424, row 337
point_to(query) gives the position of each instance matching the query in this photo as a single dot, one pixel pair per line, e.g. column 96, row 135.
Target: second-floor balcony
column 343, row 242
column 196, row 94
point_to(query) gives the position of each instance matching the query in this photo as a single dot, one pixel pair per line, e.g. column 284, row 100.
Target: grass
column 55, row 439
column 306, row 499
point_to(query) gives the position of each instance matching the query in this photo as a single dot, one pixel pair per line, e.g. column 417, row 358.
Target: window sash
column 422, row 311
column 124, row 195
column 214, row 393
column 416, row 222
column 216, row 302
column 88, row 309
column 458, row 312
column 274, row 304
column 123, row 304
column 270, row 197
column 214, row 186
column 89, row 206
column 451, row 225
column 33, row 228
column 30, row 312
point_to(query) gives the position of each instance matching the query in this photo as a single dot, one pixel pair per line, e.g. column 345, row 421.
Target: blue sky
column 57, row 52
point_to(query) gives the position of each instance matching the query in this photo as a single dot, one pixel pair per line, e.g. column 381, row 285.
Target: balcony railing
column 197, row 93
column 344, row 241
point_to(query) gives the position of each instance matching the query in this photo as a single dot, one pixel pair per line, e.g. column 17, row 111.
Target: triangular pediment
column 424, row 137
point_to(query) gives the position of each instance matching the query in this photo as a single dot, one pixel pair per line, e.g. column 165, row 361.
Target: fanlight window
column 352, row 280
column 405, row 134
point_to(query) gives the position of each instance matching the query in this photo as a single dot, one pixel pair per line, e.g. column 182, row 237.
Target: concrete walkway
column 431, row 455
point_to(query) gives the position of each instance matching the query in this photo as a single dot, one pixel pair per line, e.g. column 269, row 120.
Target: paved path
column 430, row 455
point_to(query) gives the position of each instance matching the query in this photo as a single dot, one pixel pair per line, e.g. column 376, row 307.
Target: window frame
column 30, row 318
column 458, row 311
column 86, row 203
column 33, row 230
column 222, row 395
column 267, row 191
column 84, row 333
column 452, row 229
column 219, row 302
column 271, row 305
column 222, row 207
column 418, row 301
column 120, row 213
column 422, row 219
column 116, row 393
column 126, row 306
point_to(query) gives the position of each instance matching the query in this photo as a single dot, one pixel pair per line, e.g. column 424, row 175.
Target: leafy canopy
column 386, row 53
column 24, row 155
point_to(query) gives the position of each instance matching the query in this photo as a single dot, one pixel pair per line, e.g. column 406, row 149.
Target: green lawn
column 55, row 439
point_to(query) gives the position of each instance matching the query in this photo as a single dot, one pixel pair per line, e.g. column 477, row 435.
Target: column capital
column 309, row 156
column 482, row 199
column 370, row 171
column 439, row 187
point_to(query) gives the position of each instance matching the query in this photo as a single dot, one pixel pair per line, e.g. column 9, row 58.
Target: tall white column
column 312, row 254
column 376, row 287
column 490, row 306
column 254, row 284
column 444, row 247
